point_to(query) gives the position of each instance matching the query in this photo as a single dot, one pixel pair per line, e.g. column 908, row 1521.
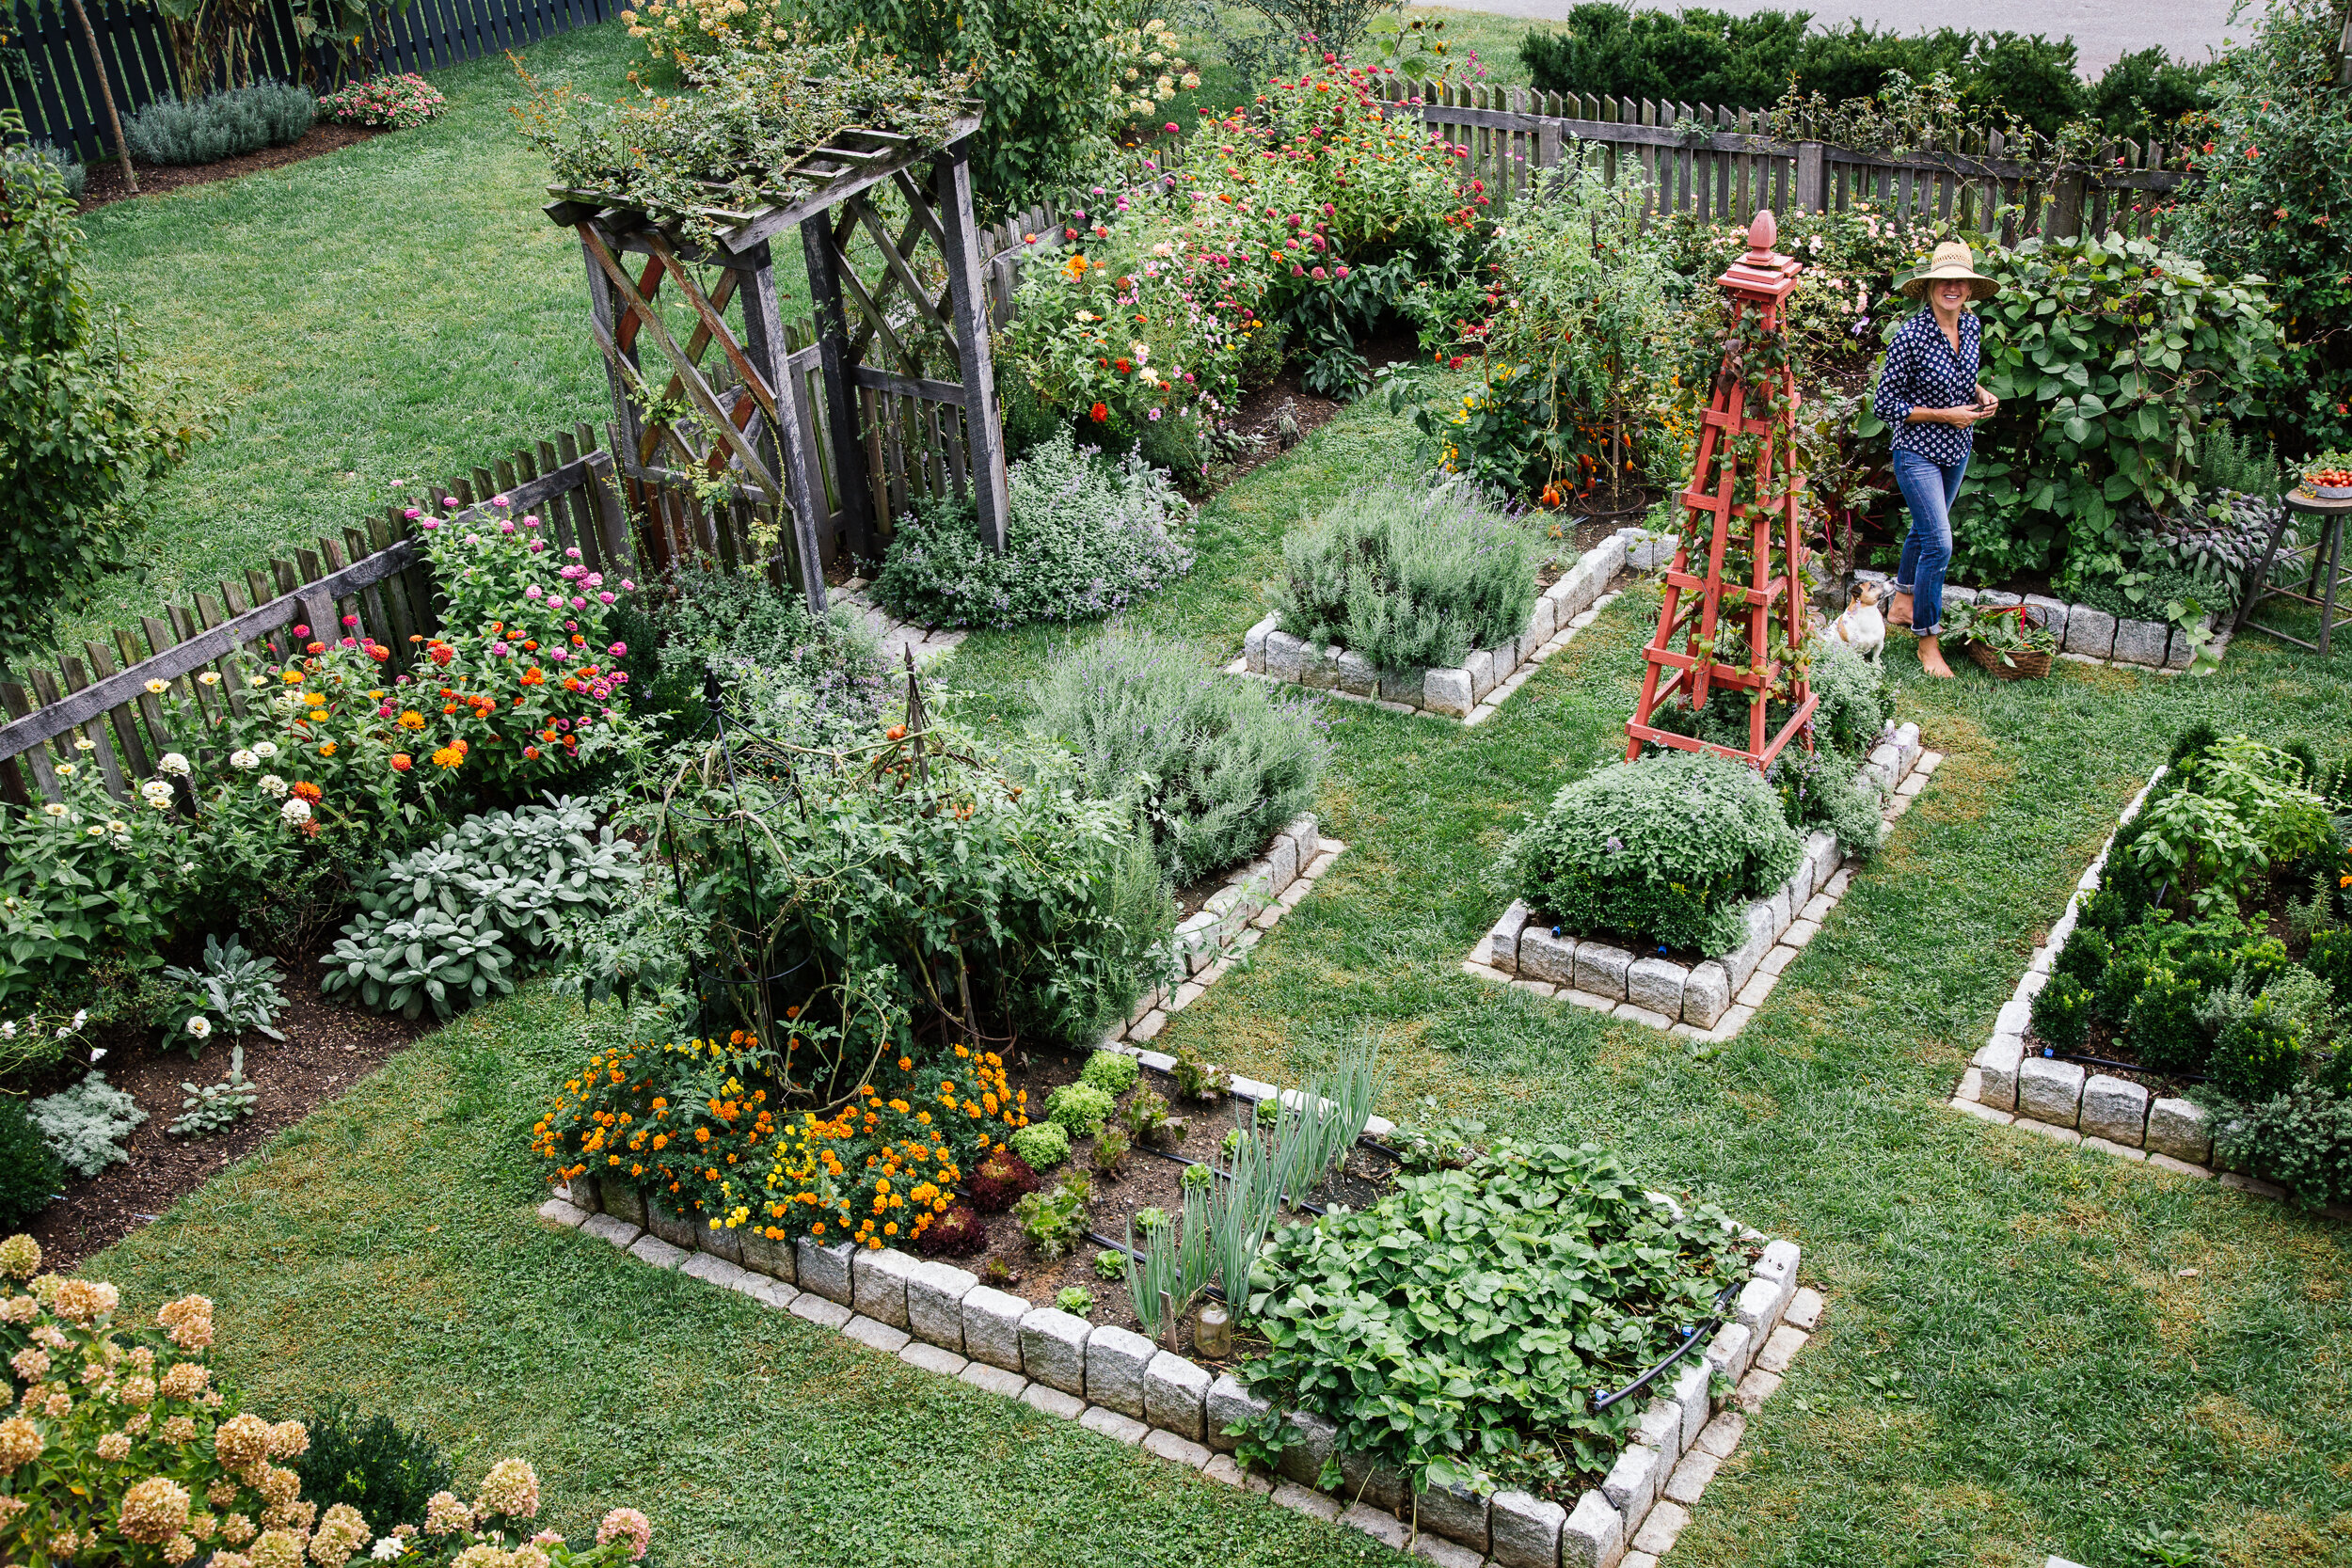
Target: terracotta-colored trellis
column 1757, row 284
column 797, row 429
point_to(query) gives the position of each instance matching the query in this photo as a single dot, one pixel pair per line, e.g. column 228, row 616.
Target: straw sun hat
column 1951, row 259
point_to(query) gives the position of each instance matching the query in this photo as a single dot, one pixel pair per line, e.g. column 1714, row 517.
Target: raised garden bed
column 1472, row 692
column 1709, row 998
column 1116, row 1382
column 2089, row 636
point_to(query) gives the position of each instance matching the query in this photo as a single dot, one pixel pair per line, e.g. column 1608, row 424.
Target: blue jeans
column 1929, row 489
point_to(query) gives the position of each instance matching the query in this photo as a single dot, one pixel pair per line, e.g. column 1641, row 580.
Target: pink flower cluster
column 401, row 103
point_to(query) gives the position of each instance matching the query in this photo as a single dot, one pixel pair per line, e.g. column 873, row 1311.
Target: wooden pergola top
column 853, row 159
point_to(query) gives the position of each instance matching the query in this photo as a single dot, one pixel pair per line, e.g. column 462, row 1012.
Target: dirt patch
column 105, row 178
column 327, row 1048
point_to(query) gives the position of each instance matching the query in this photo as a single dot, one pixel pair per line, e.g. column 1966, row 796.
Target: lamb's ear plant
column 216, row 1107
column 234, row 986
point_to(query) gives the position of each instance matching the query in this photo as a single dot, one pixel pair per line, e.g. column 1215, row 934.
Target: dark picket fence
column 46, row 73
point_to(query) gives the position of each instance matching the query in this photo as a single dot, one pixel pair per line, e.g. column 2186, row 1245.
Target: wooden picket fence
column 378, row 577
column 57, row 93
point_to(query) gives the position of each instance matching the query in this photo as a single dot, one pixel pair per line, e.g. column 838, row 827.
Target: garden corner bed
column 1713, row 1349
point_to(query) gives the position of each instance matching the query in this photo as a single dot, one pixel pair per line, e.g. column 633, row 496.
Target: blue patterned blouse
column 1922, row 371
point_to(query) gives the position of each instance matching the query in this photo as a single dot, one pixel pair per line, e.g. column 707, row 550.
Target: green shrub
column 1041, row 1146
column 1407, row 577
column 2061, row 1013
column 87, row 428
column 2260, row 1052
column 1079, row 1108
column 2085, row 957
column 1855, row 704
column 86, row 1124
column 2161, row 1026
column 2330, row 958
column 371, row 1462
column 2300, row 1138
column 68, row 168
column 1220, row 765
column 1816, row 789
column 1112, row 1071
column 1666, row 852
column 30, row 1172
column 1085, row 536
column 225, row 125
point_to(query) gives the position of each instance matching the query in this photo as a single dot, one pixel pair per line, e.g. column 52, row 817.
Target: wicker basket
column 2028, row 667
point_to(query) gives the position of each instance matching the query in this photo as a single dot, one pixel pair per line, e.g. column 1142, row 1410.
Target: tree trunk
column 106, row 95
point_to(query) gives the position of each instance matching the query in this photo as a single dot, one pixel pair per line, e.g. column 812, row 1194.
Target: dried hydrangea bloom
column 83, row 1301
column 178, row 1549
column 237, row 1530
column 182, row 1429
column 20, row 1256
column 626, row 1523
column 511, row 1488
column 240, row 1442
column 185, row 1380
column 19, row 1309
column 20, row 1443
column 288, row 1438
column 223, row 1491
column 339, row 1537
column 31, row 1363
column 136, row 1390
column 115, row 1447
column 202, row 1526
column 155, row 1510
column 276, row 1548
column 445, row 1515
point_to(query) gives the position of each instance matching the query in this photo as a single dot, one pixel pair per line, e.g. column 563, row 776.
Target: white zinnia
column 388, row 1549
column 272, row 784
column 295, row 810
column 53, row 808
column 244, row 759
column 173, row 763
column 264, row 749
column 201, row 1026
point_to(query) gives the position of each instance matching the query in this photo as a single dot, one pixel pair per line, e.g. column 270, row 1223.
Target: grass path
column 2014, row 1361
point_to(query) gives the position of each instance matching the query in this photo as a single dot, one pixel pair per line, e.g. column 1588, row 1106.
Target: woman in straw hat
column 1929, row 395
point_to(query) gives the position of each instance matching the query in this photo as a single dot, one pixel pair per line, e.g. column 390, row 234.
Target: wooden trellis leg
column 804, row 485
column 969, row 306
column 832, row 339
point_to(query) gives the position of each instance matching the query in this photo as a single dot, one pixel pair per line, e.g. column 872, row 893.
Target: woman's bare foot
column 1931, row 660
column 1899, row 613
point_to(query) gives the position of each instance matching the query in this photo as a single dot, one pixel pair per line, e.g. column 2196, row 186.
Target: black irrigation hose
column 1222, row 1176
column 2051, row 1052
column 1690, row 1339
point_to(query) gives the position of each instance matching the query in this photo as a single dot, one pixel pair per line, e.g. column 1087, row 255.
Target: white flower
column 201, row 1026
column 272, row 784
column 84, row 743
column 53, row 808
column 95, row 831
column 156, row 689
column 1142, row 353
column 388, row 1549
column 210, row 677
column 117, row 827
column 187, row 867
column 7, row 1029
column 256, row 680
column 264, row 749
column 295, row 810
column 81, row 1015
column 244, row 759
column 65, row 771
column 96, row 1056
column 174, row 763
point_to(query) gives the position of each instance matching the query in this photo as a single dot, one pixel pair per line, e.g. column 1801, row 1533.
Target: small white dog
column 1862, row 628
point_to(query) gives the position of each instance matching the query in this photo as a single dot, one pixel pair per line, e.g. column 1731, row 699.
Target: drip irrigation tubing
column 2051, row 1052
column 1691, row 1337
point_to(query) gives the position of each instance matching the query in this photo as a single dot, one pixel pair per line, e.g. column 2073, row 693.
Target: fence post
column 2066, row 207
column 1812, row 191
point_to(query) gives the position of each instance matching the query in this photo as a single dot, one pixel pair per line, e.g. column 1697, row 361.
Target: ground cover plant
column 223, row 125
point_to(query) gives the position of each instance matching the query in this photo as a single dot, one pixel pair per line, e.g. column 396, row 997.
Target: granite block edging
column 1713, row 1000
column 1253, row 899
column 2071, row 1103
column 2087, row 636
column 1101, row 1376
column 1472, row 693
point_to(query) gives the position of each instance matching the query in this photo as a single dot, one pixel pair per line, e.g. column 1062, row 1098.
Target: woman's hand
column 1960, row 417
column 1987, row 401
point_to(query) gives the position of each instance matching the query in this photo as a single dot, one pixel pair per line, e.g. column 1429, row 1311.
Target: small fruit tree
column 1745, row 483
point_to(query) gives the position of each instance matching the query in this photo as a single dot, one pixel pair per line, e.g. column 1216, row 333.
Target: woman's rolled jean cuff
column 1912, row 589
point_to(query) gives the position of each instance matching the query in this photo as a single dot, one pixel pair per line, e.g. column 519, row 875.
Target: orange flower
column 447, row 756
column 327, row 748
column 534, row 677
column 307, row 790
column 402, row 762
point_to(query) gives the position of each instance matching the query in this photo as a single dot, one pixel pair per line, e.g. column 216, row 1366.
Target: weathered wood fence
column 378, row 576
column 57, row 93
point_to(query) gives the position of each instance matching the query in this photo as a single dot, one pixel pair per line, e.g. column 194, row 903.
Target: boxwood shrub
column 1664, row 852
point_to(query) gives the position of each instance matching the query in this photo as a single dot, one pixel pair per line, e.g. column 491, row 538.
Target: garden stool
column 2319, row 589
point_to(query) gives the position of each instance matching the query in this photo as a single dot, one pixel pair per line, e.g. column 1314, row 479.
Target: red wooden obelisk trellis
column 1758, row 282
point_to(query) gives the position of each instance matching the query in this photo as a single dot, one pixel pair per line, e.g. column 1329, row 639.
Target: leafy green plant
column 1076, row 1299
column 1110, row 1265
column 1666, row 850
column 234, row 986
column 1085, row 536
column 1853, row 703
column 1055, row 1221
column 1112, row 1071
column 86, row 1124
column 2061, row 1013
column 1111, row 1147
column 1392, row 1311
column 30, row 1171
column 1196, row 1078
column 2005, row 632
column 1080, row 1108
column 2162, row 1023
column 1043, row 1145
column 216, row 1107
column 2202, row 845
column 1218, row 764
column 454, row 922
column 1818, row 789
column 371, row 1462
column 2085, row 954
column 1145, row 1115
column 2259, row 1053
column 2299, row 1138
column 224, row 125
column 1408, row 578
column 69, row 169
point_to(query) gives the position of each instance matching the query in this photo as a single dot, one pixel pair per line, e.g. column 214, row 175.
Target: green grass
column 2067, row 1380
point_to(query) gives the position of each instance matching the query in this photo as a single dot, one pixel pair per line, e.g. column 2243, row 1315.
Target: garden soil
column 327, row 1049
column 105, row 176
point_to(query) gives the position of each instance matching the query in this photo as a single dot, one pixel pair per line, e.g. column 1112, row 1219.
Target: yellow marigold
column 447, row 756
column 154, row 1511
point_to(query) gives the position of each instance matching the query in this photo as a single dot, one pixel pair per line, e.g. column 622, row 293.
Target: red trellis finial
column 1758, row 282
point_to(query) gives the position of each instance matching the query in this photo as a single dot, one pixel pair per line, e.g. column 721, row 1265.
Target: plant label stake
column 1744, row 508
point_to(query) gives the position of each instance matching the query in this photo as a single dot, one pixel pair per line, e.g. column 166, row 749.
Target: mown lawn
column 2014, row 1361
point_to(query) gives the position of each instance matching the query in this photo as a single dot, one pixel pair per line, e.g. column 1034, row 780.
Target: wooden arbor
column 776, row 421
column 1743, row 518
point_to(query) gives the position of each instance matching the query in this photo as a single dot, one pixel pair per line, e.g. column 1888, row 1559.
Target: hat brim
column 1979, row 286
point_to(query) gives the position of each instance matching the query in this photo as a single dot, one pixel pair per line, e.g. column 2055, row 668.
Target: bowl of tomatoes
column 2329, row 478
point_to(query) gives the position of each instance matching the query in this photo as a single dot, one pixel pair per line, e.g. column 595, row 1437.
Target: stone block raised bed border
column 1715, row 1000
column 1115, row 1382
column 2089, row 636
column 1472, row 693
column 2073, row 1105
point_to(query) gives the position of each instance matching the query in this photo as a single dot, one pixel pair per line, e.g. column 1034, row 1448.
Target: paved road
column 2101, row 29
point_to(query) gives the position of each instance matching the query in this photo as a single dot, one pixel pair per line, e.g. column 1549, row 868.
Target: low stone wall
column 1115, row 1382
column 2090, row 635
column 1713, row 1000
column 2074, row 1104
column 1471, row 692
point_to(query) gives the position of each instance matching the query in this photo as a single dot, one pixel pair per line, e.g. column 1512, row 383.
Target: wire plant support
column 1741, row 518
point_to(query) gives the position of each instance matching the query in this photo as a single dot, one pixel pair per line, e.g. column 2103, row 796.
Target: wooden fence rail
column 377, row 577
column 58, row 90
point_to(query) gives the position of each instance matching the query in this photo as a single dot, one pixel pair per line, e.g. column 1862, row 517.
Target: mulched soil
column 329, row 1047
column 105, row 177
column 1146, row 1179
